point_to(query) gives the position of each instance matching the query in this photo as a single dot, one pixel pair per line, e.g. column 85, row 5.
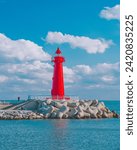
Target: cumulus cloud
column 69, row 75
column 36, row 77
column 107, row 67
column 97, row 76
column 110, row 13
column 88, row 44
column 28, row 75
column 22, row 50
column 35, row 72
column 24, row 66
column 84, row 69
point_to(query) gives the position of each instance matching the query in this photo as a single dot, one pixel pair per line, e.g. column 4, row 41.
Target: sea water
column 65, row 134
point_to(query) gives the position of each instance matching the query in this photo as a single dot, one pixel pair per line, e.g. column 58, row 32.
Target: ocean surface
column 69, row 134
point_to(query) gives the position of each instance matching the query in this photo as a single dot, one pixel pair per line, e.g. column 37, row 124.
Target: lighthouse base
column 61, row 98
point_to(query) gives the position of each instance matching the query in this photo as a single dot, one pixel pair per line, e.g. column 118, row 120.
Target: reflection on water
column 59, row 134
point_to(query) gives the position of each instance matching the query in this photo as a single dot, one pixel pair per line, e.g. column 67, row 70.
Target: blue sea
column 69, row 134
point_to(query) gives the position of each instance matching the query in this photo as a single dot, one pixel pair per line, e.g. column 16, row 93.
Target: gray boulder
column 72, row 113
column 80, row 115
column 65, row 116
column 64, row 109
column 48, row 101
column 94, row 102
column 93, row 113
column 44, row 104
column 73, row 104
column 101, row 106
column 46, row 109
column 87, row 115
column 56, row 104
column 59, row 115
column 53, row 115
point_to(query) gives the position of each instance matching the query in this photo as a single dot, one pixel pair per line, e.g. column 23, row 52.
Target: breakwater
column 49, row 109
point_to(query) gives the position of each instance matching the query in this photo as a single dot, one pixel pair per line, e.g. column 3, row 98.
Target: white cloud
column 108, row 78
column 83, row 42
column 98, row 76
column 111, row 12
column 36, row 77
column 84, row 69
column 37, row 71
column 107, row 67
column 23, row 66
column 94, row 86
column 22, row 50
column 3, row 78
column 26, row 76
column 69, row 75
column 27, row 81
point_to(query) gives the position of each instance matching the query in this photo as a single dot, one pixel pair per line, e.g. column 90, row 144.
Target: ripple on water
column 64, row 134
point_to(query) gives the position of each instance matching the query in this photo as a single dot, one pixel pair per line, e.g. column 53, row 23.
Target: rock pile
column 18, row 115
column 75, row 109
column 49, row 109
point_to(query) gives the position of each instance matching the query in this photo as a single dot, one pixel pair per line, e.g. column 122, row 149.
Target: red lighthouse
column 57, row 91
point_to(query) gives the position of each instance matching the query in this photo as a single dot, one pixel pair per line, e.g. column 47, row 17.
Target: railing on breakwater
column 46, row 97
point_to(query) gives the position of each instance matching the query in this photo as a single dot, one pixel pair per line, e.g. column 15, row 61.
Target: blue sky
column 87, row 32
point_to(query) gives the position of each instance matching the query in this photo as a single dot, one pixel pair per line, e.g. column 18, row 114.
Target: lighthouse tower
column 57, row 90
